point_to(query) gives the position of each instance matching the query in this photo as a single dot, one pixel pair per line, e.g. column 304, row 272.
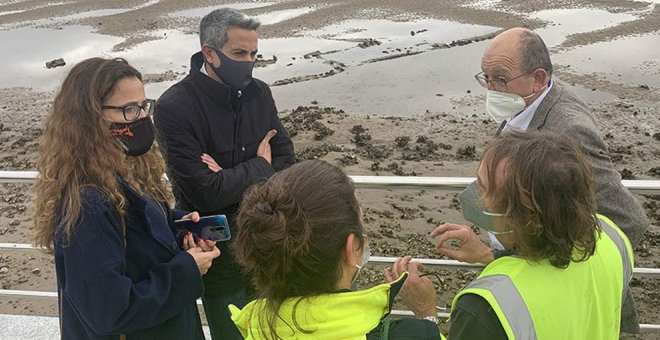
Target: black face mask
column 135, row 137
column 235, row 74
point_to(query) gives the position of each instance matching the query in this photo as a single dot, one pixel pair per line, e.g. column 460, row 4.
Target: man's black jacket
column 199, row 115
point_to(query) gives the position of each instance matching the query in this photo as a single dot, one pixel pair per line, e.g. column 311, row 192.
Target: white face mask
column 365, row 258
column 502, row 105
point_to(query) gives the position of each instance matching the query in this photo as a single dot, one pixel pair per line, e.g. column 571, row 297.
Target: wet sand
column 378, row 87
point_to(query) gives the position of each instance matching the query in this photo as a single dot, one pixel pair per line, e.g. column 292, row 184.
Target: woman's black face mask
column 135, row 138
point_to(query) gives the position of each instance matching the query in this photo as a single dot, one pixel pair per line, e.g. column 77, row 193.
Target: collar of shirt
column 521, row 121
column 203, row 69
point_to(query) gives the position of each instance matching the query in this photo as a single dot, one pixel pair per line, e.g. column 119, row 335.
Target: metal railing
column 383, row 260
column 444, row 183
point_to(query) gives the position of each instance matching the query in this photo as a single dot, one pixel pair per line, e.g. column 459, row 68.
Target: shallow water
column 70, row 17
column 563, row 22
column 396, row 71
column 26, row 50
column 633, row 60
column 398, row 86
column 64, row 19
column 394, row 87
column 172, row 52
column 10, row 12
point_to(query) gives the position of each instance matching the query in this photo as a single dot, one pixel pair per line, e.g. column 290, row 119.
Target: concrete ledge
column 23, row 327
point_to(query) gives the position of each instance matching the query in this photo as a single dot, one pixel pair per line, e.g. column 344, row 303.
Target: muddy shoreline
column 368, row 96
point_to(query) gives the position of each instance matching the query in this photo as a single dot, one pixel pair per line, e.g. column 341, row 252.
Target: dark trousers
column 218, row 316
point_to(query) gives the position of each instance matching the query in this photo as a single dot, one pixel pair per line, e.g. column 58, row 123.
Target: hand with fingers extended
column 264, row 147
column 203, row 252
column 471, row 248
column 417, row 292
column 210, row 163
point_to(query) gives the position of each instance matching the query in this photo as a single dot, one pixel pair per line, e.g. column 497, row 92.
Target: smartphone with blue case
column 214, row 228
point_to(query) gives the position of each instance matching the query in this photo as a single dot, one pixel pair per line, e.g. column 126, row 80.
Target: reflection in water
column 633, row 60
column 421, row 79
column 290, row 54
column 395, row 38
column 403, row 86
column 570, row 21
column 416, row 77
column 170, row 53
column 424, row 30
column 10, row 12
column 81, row 15
column 26, row 50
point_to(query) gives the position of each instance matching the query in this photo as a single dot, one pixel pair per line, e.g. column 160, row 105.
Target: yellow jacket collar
column 345, row 315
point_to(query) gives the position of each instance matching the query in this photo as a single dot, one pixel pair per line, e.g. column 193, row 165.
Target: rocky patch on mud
column 168, row 75
column 335, row 68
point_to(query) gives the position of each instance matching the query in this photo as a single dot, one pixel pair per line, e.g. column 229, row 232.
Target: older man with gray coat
column 517, row 72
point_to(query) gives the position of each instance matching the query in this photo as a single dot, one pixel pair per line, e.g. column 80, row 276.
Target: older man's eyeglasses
column 498, row 84
column 132, row 112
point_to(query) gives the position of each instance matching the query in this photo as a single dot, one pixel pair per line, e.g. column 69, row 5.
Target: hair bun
column 292, row 231
column 265, row 208
column 276, row 222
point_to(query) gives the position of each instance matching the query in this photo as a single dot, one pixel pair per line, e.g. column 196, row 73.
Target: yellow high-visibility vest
column 535, row 300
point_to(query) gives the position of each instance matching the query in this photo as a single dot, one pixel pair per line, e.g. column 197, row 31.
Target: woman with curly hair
column 102, row 208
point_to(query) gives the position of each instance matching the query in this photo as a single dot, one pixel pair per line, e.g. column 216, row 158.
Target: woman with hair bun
column 102, row 208
column 303, row 240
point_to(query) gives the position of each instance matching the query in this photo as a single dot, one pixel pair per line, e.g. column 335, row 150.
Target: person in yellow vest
column 302, row 238
column 565, row 268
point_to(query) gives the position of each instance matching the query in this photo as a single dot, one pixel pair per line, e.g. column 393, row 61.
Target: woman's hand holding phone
column 189, row 238
column 189, row 243
column 204, row 251
column 203, row 258
column 193, row 216
column 212, row 228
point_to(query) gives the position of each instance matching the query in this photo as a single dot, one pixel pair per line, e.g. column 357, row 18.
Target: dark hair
column 293, row 230
column 534, row 53
column 213, row 26
column 547, row 193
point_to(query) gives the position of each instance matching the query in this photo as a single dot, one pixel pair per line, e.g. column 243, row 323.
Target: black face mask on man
column 235, row 74
column 136, row 138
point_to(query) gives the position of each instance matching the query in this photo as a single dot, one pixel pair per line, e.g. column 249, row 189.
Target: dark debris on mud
column 310, row 118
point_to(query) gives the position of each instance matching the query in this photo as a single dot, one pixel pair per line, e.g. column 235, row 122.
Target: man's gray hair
column 534, row 53
column 213, row 27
